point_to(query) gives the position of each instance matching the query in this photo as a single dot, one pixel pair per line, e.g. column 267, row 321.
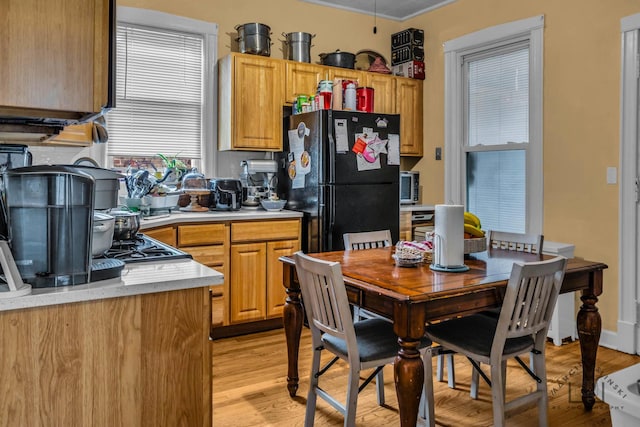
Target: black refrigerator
column 341, row 169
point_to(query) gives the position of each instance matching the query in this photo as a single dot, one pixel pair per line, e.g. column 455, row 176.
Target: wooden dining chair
column 520, row 242
column 369, row 343
column 520, row 328
column 367, row 240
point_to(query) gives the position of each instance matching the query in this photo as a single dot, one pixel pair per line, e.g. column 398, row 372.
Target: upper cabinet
column 251, row 92
column 302, row 78
column 55, row 58
column 409, row 106
column 384, row 88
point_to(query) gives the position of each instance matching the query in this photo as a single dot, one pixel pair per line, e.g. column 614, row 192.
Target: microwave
column 409, row 187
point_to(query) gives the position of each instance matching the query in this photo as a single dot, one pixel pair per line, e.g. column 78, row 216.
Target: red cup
column 326, row 96
column 364, row 99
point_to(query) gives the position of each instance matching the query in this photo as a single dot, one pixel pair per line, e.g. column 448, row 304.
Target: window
column 164, row 90
column 493, row 129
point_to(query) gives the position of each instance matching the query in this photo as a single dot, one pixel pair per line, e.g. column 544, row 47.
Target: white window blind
column 159, row 100
column 497, row 118
column 498, row 97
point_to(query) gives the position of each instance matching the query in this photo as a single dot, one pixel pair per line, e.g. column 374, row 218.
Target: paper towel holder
column 439, row 242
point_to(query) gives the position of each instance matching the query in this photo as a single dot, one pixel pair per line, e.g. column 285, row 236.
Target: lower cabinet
column 256, row 289
column 247, row 253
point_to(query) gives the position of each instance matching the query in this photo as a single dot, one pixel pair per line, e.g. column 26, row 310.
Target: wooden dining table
column 411, row 297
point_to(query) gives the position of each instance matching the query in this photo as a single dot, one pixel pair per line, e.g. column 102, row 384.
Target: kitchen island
column 130, row 351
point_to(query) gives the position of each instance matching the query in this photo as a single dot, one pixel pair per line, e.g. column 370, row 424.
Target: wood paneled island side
column 117, row 352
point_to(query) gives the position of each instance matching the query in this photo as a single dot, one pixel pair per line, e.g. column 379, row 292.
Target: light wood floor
column 249, row 388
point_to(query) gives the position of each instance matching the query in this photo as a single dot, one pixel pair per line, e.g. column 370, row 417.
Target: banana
column 474, row 231
column 470, row 218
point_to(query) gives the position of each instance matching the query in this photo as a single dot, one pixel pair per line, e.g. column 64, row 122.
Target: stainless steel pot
column 338, row 59
column 102, row 236
column 126, row 224
column 107, row 184
column 298, row 46
column 254, row 38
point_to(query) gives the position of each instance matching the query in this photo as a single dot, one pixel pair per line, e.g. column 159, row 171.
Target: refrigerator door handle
column 332, row 215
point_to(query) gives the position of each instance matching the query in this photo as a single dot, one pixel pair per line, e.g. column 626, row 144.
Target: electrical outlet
column 438, row 153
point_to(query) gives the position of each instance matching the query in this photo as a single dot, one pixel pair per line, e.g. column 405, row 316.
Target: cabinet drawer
column 265, row 230
column 205, row 234
column 164, row 234
column 211, row 256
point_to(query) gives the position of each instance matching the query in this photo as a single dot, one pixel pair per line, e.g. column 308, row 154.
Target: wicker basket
column 478, row 244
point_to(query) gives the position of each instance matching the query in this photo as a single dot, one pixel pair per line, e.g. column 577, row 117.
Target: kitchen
column 582, row 87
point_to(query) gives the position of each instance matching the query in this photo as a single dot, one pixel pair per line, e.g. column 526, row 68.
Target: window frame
column 455, row 50
column 209, row 31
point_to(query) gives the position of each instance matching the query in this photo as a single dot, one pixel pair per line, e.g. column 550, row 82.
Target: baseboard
column 609, row 339
column 626, row 337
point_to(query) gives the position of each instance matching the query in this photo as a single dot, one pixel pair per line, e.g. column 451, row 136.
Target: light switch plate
column 612, row 175
column 438, row 153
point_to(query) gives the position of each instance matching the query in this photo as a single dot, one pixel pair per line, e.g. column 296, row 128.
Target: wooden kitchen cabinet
column 384, row 92
column 408, row 99
column 55, row 58
column 208, row 244
column 346, row 74
column 302, row 79
column 256, row 288
column 251, row 96
column 164, row 234
column 254, row 89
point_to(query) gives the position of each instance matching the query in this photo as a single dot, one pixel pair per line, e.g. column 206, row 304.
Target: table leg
column 409, row 379
column 292, row 322
column 589, row 327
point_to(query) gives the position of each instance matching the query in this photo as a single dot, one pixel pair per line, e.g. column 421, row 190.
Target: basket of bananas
column 474, row 236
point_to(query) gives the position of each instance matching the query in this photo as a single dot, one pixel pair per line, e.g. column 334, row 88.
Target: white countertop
column 209, row 216
column 412, row 208
column 137, row 279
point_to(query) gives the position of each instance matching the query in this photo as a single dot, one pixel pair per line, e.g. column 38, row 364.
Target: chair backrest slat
column 530, row 297
column 325, row 297
column 531, row 243
column 367, row 240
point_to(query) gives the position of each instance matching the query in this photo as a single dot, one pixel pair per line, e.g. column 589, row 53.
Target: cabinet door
column 409, row 106
column 258, row 97
column 346, row 74
column 275, row 288
column 247, row 284
column 302, row 79
column 54, row 56
column 384, row 92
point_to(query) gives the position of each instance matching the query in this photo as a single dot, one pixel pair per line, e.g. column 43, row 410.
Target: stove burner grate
column 143, row 248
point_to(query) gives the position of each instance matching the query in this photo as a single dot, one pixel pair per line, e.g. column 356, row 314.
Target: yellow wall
column 581, row 116
column 581, row 95
column 334, row 28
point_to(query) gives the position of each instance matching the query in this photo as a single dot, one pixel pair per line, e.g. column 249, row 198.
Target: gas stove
column 141, row 248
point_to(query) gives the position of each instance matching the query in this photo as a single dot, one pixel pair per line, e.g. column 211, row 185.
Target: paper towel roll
column 449, row 240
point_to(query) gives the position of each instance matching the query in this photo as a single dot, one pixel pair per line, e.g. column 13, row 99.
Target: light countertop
column 243, row 214
column 137, row 279
column 413, row 208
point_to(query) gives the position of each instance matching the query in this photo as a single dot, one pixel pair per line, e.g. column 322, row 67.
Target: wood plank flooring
column 249, row 388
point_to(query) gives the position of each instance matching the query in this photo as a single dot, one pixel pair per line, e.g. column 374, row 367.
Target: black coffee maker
column 48, row 222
